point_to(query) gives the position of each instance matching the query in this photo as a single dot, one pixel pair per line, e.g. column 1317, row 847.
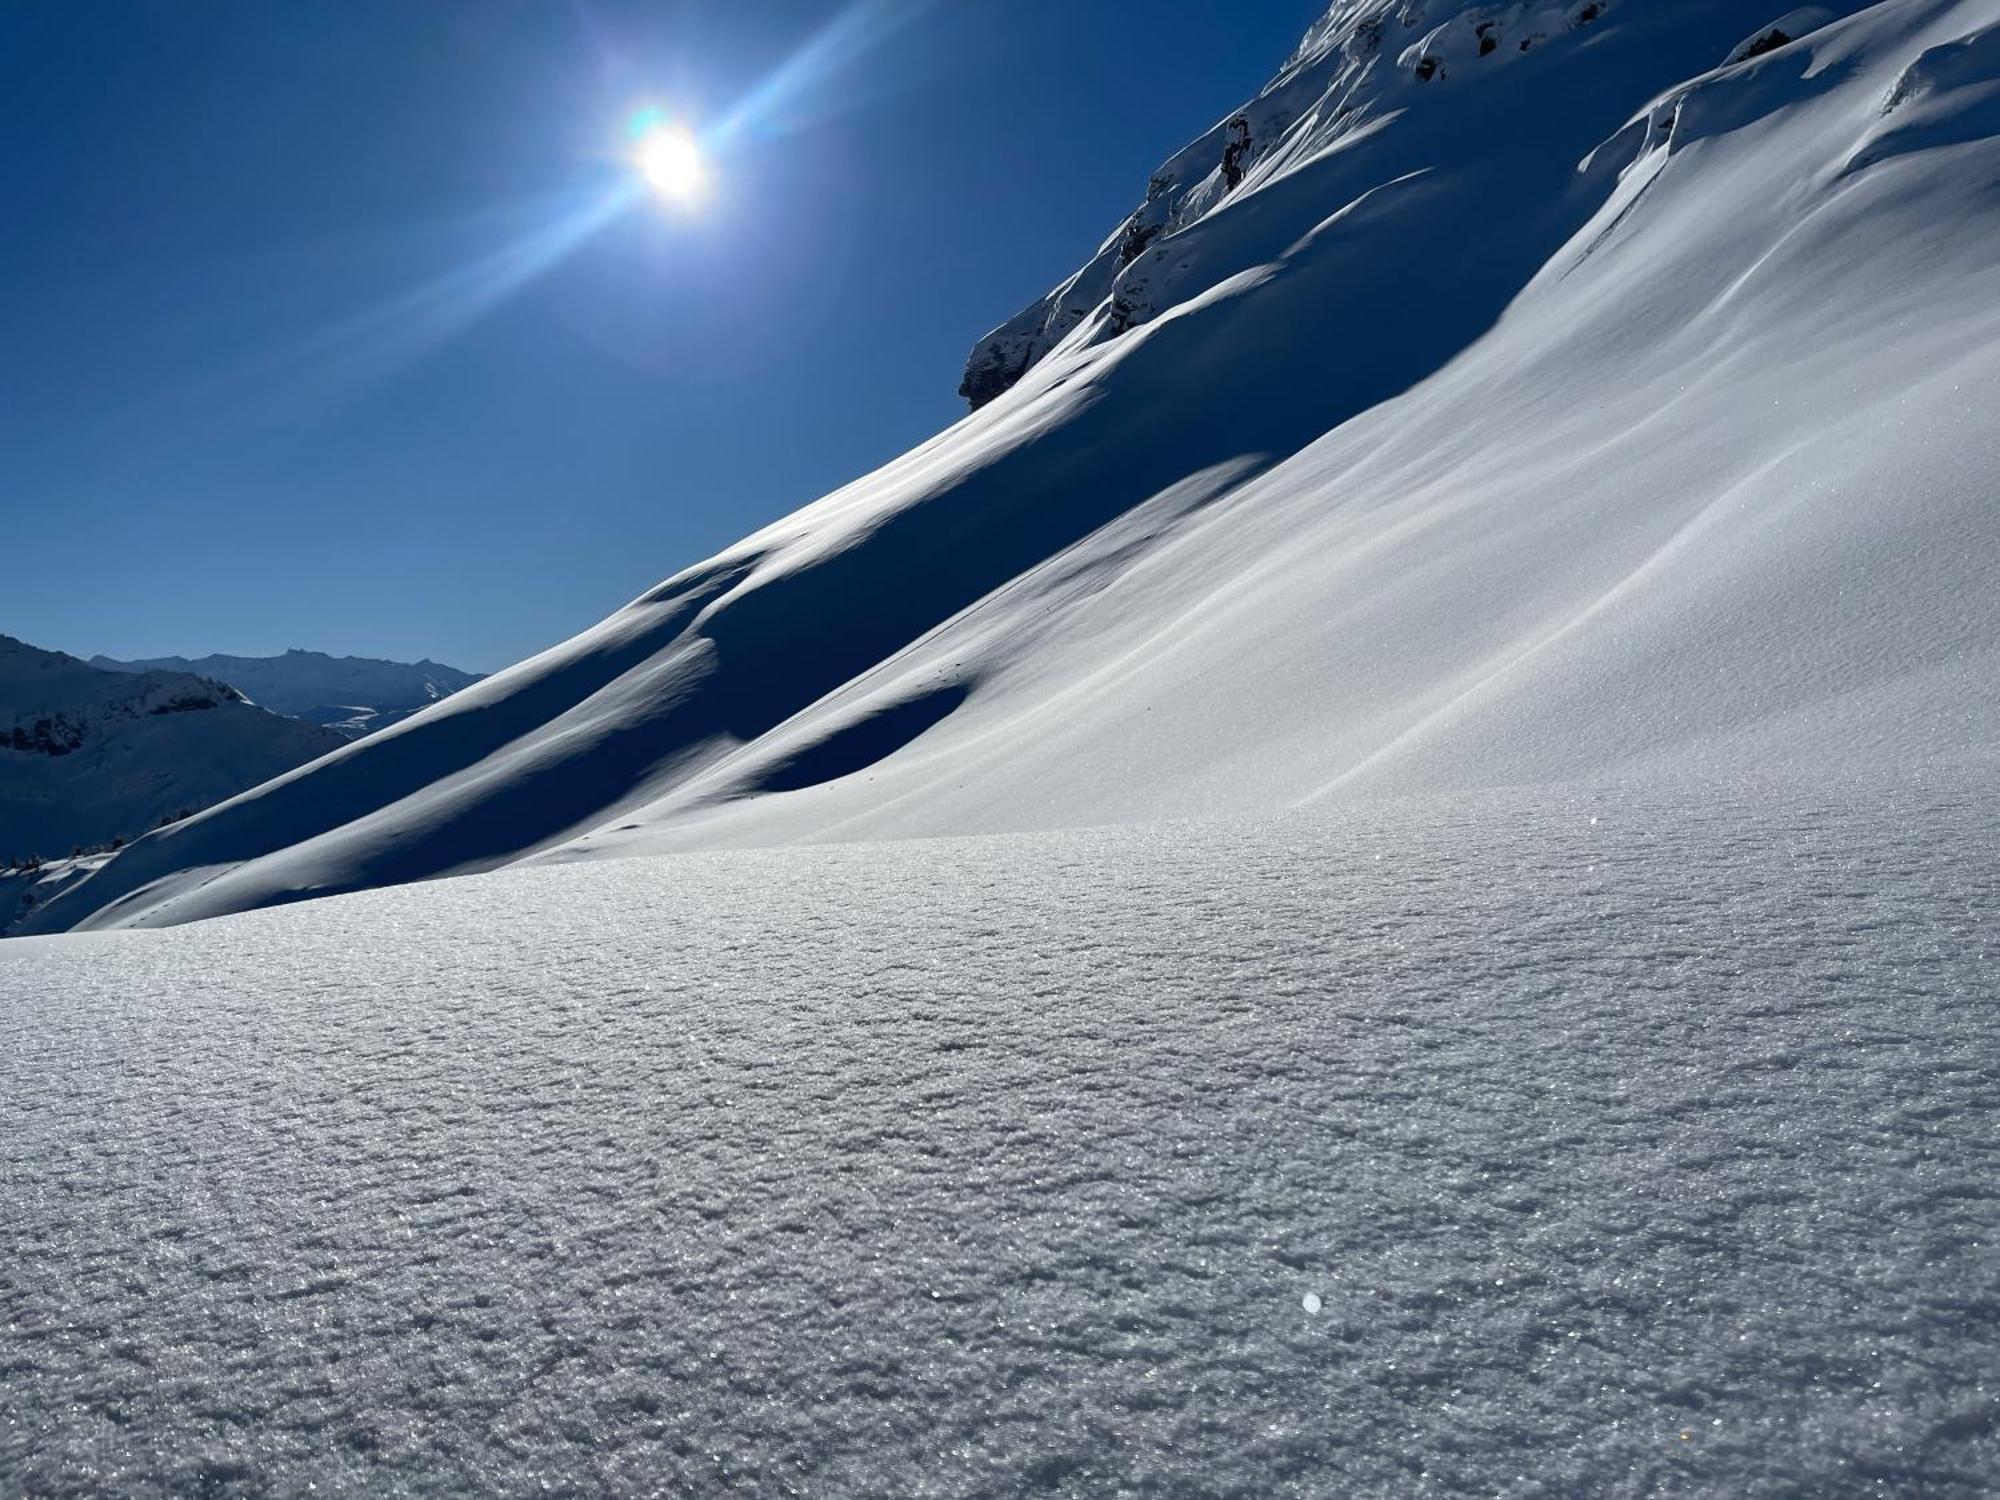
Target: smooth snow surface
column 1587, row 405
column 1626, row 1144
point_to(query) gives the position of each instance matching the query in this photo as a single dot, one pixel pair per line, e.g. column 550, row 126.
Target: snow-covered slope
column 353, row 695
column 1620, row 404
column 87, row 756
column 1517, row 1144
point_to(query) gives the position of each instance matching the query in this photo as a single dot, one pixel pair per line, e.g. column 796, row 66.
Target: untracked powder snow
column 1593, row 1144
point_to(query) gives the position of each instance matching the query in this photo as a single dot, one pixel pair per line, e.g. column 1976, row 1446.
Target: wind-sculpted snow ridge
column 1510, row 1144
column 1619, row 406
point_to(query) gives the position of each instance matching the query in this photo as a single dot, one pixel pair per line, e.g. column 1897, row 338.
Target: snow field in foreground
column 1629, row 1144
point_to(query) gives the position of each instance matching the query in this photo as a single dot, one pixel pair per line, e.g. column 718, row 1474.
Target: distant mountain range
column 88, row 756
column 102, row 751
column 351, row 695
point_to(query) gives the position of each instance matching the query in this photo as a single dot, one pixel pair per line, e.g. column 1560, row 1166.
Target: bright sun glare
column 670, row 161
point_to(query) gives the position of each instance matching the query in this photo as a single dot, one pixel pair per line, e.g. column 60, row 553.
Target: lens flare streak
column 772, row 107
column 330, row 362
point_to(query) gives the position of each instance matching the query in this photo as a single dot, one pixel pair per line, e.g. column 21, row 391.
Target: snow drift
column 1512, row 394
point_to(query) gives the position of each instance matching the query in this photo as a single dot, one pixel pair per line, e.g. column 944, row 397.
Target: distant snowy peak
column 1362, row 64
column 88, row 755
column 353, row 695
column 53, row 688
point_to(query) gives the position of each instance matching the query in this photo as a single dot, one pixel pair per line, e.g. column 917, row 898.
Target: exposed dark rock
column 993, row 376
column 1770, row 41
column 1235, row 153
column 1138, row 236
column 56, row 735
column 185, row 704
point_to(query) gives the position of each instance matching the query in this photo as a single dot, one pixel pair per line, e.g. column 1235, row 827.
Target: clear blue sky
column 272, row 373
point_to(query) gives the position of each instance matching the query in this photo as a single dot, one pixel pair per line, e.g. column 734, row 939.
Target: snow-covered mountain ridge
column 87, row 756
column 353, row 695
column 1615, row 408
column 1361, row 65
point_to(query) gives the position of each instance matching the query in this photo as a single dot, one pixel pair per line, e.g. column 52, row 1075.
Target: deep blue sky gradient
column 247, row 403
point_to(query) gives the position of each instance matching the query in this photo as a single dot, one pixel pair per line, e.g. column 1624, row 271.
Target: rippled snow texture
column 1627, row 1149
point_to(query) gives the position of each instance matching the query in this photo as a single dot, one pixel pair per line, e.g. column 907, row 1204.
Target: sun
column 669, row 158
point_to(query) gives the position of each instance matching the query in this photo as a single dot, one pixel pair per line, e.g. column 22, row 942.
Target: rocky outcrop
column 1782, row 32
column 52, row 734
column 154, row 695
